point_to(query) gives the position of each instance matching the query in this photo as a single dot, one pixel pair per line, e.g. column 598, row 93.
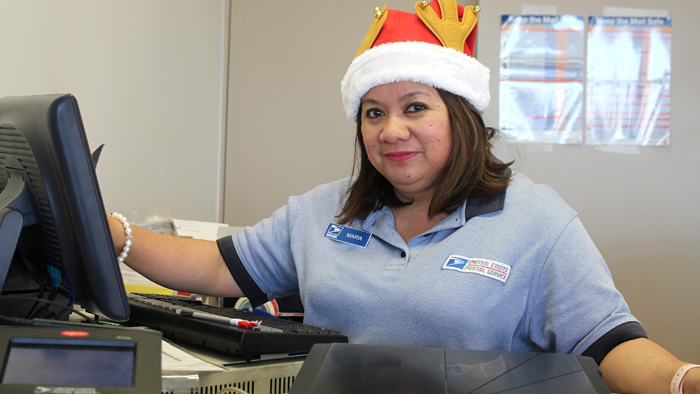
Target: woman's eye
column 416, row 107
column 373, row 113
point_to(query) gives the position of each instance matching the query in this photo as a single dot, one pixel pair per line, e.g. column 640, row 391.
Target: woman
column 431, row 227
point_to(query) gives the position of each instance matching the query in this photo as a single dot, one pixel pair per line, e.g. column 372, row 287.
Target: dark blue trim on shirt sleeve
column 622, row 333
column 240, row 273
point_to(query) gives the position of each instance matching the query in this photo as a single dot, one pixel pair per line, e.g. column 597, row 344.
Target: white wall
column 150, row 80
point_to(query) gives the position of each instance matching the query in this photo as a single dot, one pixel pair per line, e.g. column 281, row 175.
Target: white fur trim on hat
column 429, row 64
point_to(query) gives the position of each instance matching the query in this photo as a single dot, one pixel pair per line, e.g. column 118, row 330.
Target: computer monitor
column 54, row 234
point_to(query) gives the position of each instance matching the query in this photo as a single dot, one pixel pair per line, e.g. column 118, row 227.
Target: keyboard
column 164, row 313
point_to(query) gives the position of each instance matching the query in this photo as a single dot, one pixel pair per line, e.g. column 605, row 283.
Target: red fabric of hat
column 434, row 47
column 403, row 26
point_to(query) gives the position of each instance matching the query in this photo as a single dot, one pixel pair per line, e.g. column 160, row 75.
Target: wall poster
column 541, row 78
column 628, row 81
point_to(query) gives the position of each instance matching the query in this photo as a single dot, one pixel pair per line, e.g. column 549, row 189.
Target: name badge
column 347, row 235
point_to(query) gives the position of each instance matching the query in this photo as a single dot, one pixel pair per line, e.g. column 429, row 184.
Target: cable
column 42, row 290
column 6, row 298
column 47, row 312
column 67, row 309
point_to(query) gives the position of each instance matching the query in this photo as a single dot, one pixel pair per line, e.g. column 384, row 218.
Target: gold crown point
column 424, row 3
column 477, row 8
column 448, row 27
column 377, row 12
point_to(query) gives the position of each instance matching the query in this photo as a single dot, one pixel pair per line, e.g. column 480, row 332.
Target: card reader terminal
column 81, row 359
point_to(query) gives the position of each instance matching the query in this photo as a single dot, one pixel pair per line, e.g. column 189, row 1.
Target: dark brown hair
column 472, row 171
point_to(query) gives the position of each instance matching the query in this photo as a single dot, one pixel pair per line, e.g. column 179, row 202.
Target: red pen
column 220, row 319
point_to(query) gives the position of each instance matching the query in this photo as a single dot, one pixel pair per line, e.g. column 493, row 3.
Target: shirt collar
column 486, row 204
column 474, row 206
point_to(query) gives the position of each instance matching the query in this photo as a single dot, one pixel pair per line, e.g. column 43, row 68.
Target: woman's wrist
column 117, row 231
column 691, row 384
column 686, row 380
column 126, row 230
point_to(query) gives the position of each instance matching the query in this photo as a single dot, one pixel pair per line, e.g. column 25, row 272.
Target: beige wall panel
column 149, row 77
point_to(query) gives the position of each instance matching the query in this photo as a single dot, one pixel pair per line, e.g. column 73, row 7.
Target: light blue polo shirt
column 514, row 271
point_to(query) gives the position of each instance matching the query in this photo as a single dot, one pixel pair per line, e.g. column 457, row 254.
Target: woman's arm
column 183, row 264
column 641, row 366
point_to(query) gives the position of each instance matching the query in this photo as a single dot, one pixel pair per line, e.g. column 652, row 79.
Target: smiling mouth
column 399, row 156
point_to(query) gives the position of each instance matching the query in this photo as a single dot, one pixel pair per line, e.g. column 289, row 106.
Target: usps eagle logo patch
column 333, row 231
column 489, row 268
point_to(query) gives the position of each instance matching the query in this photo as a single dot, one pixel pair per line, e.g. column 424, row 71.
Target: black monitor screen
column 54, row 235
column 69, row 363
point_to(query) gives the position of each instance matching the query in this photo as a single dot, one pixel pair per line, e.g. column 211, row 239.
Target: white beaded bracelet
column 677, row 382
column 127, row 231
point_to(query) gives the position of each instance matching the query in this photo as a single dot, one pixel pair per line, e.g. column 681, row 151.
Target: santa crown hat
column 434, row 46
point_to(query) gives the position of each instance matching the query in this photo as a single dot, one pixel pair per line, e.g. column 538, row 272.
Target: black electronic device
column 353, row 368
column 54, row 235
column 80, row 359
column 274, row 335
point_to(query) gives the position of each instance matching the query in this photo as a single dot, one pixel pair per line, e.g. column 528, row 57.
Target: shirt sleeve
column 260, row 259
column 620, row 334
column 574, row 300
column 239, row 272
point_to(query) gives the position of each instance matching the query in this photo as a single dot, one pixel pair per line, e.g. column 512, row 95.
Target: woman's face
column 407, row 135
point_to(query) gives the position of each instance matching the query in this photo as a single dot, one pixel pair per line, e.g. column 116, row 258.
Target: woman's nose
column 395, row 129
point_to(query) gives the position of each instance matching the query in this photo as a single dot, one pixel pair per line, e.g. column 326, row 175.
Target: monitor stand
column 15, row 209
